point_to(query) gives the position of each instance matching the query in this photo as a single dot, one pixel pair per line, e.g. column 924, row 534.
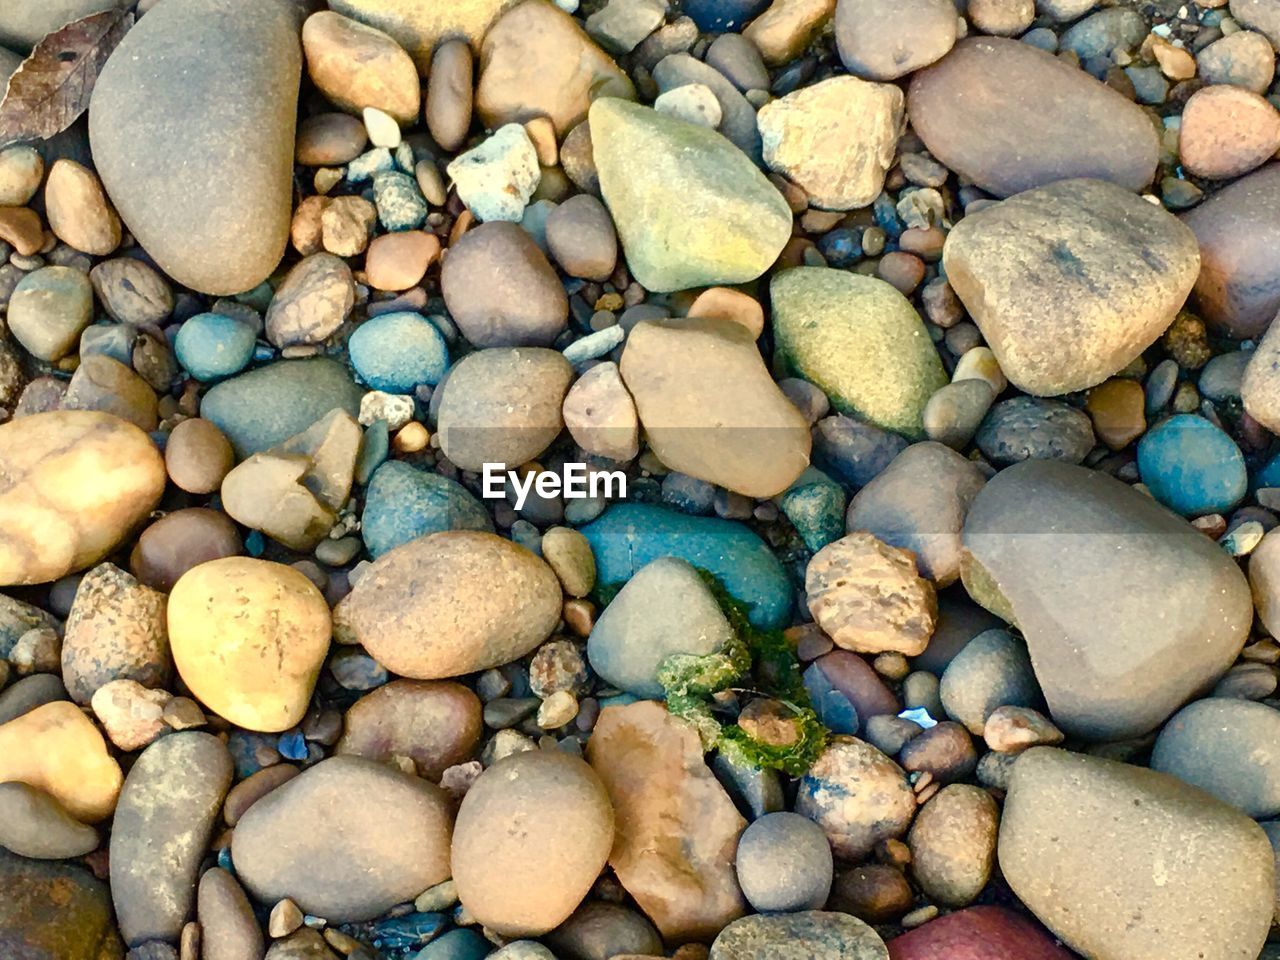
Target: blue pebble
column 243, row 746
column 114, row 340
column 399, row 201
column 815, row 505
column 885, row 212
column 255, row 543
column 212, row 346
column 409, row 931
column 833, row 708
column 403, row 503
column 630, row 535
column 723, row 16
column 842, row 247
column 459, row 944
column 1192, row 466
column 292, row 745
column 688, row 494
column 375, row 447
column 394, row 352
column 1269, row 474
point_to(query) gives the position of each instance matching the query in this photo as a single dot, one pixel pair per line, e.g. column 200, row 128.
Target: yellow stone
column 76, row 482
column 57, row 749
column 249, row 637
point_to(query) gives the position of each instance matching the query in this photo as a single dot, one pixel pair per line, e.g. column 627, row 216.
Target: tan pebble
column 570, row 556
column 557, row 710
column 79, row 212
column 579, row 616
column 398, row 261
column 1002, row 18
column 543, row 134
column 904, row 271
column 346, row 223
column 253, row 788
column 431, row 183
column 326, row 179
column 285, row 919
column 183, row 713
column 1175, row 62
column 306, row 232
column 198, row 456
column 132, row 715
column 1227, row 131
column 783, row 31
column 21, row 170
column 449, row 95
column 56, row 748
column 729, row 304
column 1118, row 410
column 1010, row 729
column 358, row 66
column 21, row 227
column 189, row 940
column 980, row 363
column 411, row 438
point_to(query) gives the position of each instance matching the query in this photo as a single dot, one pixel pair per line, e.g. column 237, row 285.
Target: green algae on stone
column 692, row 210
column 860, row 341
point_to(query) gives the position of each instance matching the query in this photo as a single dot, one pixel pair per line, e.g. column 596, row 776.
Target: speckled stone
column 811, row 935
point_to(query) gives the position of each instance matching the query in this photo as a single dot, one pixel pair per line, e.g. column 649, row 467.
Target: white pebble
column 496, row 179
column 692, row 103
column 382, row 127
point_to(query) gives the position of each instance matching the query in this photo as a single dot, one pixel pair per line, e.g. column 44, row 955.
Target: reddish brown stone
column 435, row 724
column 979, row 933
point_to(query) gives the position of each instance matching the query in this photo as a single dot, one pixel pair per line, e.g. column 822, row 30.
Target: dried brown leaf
column 52, row 86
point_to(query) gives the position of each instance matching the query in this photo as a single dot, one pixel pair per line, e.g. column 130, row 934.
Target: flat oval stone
column 887, row 39
column 203, row 92
column 858, row 340
column 1045, row 540
column 435, row 724
column 978, row 933
column 808, row 935
column 228, row 928
column 1192, row 466
column 357, row 66
column 629, row 536
column 498, row 600
column 50, row 527
column 264, row 407
column 514, row 871
column 979, row 108
column 697, row 212
column 34, row 824
column 55, row 911
column 709, row 407
column 1031, row 428
column 1238, row 229
column 162, row 826
column 1120, row 862
column 391, row 844
column 953, row 844
column 1071, row 281
column 249, row 637
column 1229, row 748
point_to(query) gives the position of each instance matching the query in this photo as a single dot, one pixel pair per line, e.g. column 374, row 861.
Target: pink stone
column 978, row 933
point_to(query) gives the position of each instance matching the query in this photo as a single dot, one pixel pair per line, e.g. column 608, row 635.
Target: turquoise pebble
column 211, row 346
column 629, row 536
column 815, row 505
column 1192, row 466
column 403, row 503
column 456, row 945
column 375, row 447
column 395, row 352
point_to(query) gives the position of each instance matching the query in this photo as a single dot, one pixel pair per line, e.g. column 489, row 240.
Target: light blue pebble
column 403, row 503
column 594, row 345
column 815, row 505
column 833, row 708
column 375, row 446
column 399, row 201
column 368, row 165
column 919, row 716
column 394, row 352
column 1192, row 467
column 114, row 340
column 211, row 346
column 459, row 944
column 629, row 536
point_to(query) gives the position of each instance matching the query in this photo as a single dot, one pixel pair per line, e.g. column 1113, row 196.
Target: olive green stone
column 860, row 341
column 692, row 210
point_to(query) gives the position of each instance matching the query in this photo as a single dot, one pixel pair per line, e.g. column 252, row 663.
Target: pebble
column 723, row 16
column 674, row 213
column 581, row 237
column 80, row 215
column 954, row 412
column 676, row 828
column 75, row 525
column 815, row 505
column 815, row 935
column 601, row 415
column 399, row 202
column 514, row 872
column 1095, row 686
column 394, row 842
column 21, row 172
column 131, row 714
column 665, row 609
column 918, row 503
column 48, row 310
column 398, row 261
column 738, row 120
column 403, row 503
column 1192, row 466
column 569, row 555
column 197, row 456
column 132, row 291
column 1260, row 15
column 784, row 864
column 345, row 224
column 264, row 407
column 21, row 229
column 1029, row 428
column 34, row 824
column 459, row 944
column 1242, row 59
column 599, row 931
column 221, row 92
column 419, row 30
column 1227, row 131
column 945, row 751
column 991, row 671
column 860, row 342
column 356, row 66
column 1072, row 824
column 978, row 933
column 977, row 109
column 1117, row 408
column 497, row 178
column 161, row 830
column 847, row 692
column 501, row 600
column 435, row 724
column 1105, row 265
column 868, row 597
column 229, row 930
column 106, row 385
column 692, row 103
column 873, row 892
column 835, row 139
column 248, row 638
column 500, row 289
column 330, row 139
column 395, row 352
column 953, row 844
column 629, row 536
column 882, row 40
column 56, row 911
column 477, row 422
column 314, row 299
column 1002, row 18
column 857, row 795
column 23, row 696
column 729, row 424
column 449, row 94
column 1227, row 748
column 179, row 541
